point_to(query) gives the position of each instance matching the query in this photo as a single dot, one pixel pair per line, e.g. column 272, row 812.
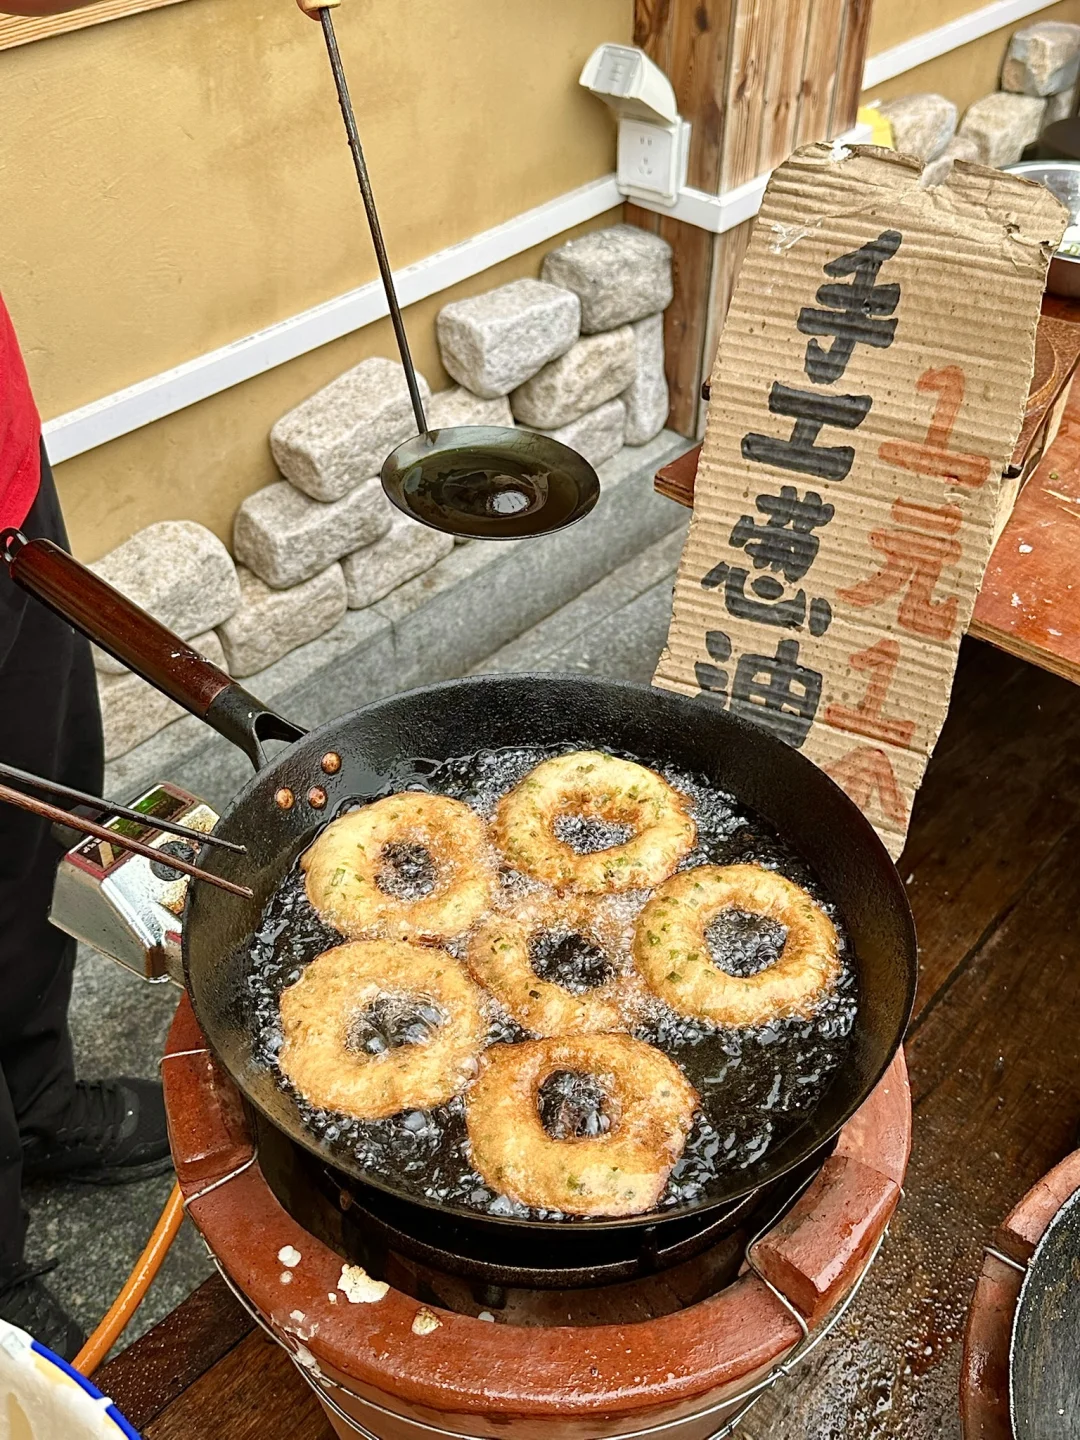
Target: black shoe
column 27, row 1303
column 114, row 1132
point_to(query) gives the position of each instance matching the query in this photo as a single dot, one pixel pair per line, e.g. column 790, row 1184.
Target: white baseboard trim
column 719, row 213
column 933, row 43
column 137, row 405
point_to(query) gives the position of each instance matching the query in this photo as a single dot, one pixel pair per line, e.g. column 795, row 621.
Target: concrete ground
column 616, row 628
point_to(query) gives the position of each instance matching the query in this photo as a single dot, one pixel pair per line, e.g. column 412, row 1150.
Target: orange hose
column 135, row 1286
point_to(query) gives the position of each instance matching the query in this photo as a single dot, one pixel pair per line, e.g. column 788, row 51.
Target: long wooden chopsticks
column 108, row 807
column 123, row 842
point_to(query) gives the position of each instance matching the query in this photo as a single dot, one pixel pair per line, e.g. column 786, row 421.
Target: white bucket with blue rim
column 43, row 1398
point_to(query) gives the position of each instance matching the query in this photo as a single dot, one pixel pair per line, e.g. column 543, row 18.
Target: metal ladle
column 484, row 481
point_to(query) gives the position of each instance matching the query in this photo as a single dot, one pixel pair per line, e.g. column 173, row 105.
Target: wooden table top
column 994, row 1052
column 1029, row 603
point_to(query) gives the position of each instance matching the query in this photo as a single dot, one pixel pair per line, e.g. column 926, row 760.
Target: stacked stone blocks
column 1039, row 84
column 577, row 354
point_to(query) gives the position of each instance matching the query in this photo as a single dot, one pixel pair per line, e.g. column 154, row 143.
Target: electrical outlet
column 652, row 159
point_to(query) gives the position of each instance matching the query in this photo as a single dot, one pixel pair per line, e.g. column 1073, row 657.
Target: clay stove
column 674, row 1337
column 676, row 1346
column 984, row 1372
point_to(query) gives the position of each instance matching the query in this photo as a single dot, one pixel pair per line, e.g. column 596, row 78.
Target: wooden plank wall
column 755, row 78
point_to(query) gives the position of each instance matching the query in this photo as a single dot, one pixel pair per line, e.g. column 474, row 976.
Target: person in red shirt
column 51, row 1125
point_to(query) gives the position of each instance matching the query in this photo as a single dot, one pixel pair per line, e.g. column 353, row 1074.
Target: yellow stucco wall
column 963, row 75
column 176, row 180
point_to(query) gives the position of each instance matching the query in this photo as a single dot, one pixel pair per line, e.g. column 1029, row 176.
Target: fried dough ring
column 318, row 1011
column 672, row 951
column 622, row 1172
column 342, row 868
column 587, row 782
column 498, row 958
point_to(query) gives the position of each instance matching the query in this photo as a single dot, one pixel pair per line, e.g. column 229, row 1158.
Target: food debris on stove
column 424, row 1322
column 289, row 1256
column 359, row 1288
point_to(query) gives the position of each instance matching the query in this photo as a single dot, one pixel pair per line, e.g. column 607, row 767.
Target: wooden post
column 755, row 78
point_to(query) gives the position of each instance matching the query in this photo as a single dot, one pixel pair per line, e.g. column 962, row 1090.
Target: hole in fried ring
column 502, row 956
column 671, row 947
column 651, row 1106
column 595, row 786
column 346, row 869
column 319, row 1016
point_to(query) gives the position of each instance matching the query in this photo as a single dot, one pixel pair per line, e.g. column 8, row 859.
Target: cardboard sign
column 868, row 392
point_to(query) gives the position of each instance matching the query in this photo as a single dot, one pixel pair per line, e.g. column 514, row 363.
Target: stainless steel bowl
column 1061, row 178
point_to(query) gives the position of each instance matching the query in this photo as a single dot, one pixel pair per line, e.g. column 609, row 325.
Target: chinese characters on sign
column 777, row 690
column 869, row 387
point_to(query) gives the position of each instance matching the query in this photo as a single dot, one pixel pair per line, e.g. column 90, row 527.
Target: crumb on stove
column 286, row 1277
column 424, row 1322
column 289, row 1256
column 358, row 1287
column 304, row 1357
column 298, row 1316
column 486, row 1315
column 332, row 1298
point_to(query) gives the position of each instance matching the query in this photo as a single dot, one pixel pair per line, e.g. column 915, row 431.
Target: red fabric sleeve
column 20, row 431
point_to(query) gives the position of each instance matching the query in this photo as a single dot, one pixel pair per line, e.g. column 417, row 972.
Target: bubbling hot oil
column 757, row 1085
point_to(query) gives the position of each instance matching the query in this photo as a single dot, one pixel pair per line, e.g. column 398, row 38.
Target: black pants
column 49, row 723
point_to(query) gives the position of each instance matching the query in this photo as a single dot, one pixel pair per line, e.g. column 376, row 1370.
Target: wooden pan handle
column 142, row 643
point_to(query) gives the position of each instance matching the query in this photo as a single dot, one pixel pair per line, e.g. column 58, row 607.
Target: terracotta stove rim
column 475, row 1367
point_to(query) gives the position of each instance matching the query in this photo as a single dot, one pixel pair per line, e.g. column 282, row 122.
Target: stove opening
column 391, row 1021
column 570, row 960
column 742, row 944
column 586, row 834
column 408, row 871
column 574, row 1105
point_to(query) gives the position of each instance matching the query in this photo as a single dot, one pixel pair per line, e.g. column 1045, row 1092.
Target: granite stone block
column 922, row 125
column 1061, row 106
column 646, row 398
column 597, row 435
column 178, row 571
column 132, row 710
column 596, row 369
column 459, row 406
column 405, row 551
column 285, row 537
column 1042, row 59
column 620, row 275
column 270, row 623
column 492, row 342
column 1002, row 124
column 960, row 147
column 338, row 438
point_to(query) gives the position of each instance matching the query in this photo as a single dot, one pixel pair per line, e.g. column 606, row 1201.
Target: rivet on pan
column 331, row 762
column 285, row 798
column 316, row 797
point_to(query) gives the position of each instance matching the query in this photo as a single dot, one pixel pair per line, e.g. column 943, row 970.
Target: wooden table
column 994, row 1052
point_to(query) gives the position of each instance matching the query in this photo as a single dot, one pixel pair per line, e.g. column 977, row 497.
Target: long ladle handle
column 387, row 274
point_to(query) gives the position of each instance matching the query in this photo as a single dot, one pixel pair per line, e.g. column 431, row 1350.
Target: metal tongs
column 114, row 837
